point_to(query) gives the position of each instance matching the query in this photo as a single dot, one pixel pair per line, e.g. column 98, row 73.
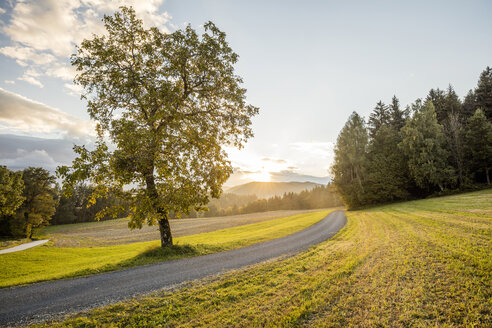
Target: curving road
column 20, row 305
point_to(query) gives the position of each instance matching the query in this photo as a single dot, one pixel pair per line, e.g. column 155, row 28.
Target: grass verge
column 423, row 263
column 48, row 263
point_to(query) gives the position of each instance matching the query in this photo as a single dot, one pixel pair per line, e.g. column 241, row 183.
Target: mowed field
column 423, row 263
column 48, row 262
column 116, row 232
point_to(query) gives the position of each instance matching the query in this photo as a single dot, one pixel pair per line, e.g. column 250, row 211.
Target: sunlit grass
column 47, row 263
column 424, row 263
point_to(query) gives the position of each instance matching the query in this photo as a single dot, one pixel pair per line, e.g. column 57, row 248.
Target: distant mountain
column 270, row 189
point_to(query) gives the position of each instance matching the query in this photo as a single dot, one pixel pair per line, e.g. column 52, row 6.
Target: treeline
column 436, row 144
column 31, row 199
column 318, row 197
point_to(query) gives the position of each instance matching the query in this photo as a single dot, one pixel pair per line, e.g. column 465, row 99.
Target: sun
column 261, row 176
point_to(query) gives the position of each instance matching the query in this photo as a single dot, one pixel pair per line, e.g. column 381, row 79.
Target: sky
column 306, row 64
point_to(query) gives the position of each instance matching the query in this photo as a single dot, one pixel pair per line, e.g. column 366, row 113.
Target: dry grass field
column 116, row 232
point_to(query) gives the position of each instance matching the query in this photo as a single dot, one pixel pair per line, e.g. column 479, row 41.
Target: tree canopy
column 166, row 103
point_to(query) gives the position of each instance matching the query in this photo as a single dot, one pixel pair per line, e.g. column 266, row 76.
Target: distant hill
column 270, row 189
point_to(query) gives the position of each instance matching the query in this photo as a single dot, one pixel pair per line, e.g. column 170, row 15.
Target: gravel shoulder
column 37, row 302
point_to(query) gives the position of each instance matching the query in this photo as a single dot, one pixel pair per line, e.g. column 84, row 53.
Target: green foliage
column 168, row 102
column 380, row 116
column 423, row 144
column 350, row 156
column 478, row 139
column 387, row 171
column 39, row 203
column 11, row 188
column 75, row 208
column 398, row 116
column 483, row 92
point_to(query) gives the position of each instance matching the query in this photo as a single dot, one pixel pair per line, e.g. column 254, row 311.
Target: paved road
column 20, row 305
column 24, row 246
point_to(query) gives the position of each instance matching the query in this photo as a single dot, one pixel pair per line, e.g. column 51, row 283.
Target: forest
column 35, row 200
column 436, row 145
column 318, row 197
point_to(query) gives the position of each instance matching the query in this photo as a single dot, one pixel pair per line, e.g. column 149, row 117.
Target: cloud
column 75, row 90
column 44, row 33
column 278, row 161
column 9, row 82
column 25, row 115
column 19, row 152
column 30, row 76
column 324, row 149
column 25, row 55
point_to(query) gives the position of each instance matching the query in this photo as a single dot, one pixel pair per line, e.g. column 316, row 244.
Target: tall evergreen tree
column 452, row 123
column 469, row 105
column 387, row 171
column 350, row 156
column 483, row 92
column 423, row 143
column 478, row 139
column 379, row 117
column 397, row 116
column 438, row 99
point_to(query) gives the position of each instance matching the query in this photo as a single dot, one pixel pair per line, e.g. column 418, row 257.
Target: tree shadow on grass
column 150, row 256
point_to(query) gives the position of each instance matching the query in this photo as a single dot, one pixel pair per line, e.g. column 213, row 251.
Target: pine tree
column 379, row 117
column 397, row 116
column 438, row 99
column 469, row 105
column 483, row 92
column 478, row 144
column 387, row 171
column 350, row 156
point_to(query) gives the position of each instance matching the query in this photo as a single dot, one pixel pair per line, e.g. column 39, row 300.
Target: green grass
column 47, row 263
column 423, row 263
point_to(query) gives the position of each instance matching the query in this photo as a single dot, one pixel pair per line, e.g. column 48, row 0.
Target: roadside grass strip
column 423, row 263
column 49, row 263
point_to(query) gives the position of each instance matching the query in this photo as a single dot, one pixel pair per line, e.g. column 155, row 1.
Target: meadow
column 116, row 232
column 48, row 262
column 424, row 263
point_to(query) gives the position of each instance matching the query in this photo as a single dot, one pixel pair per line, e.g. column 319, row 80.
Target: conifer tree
column 478, row 139
column 483, row 92
column 349, row 164
column 379, row 117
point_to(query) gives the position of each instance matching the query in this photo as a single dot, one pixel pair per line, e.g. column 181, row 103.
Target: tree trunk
column 164, row 226
column 165, row 230
column 487, row 175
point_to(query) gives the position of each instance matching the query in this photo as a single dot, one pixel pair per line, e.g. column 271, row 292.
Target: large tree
column 423, row 144
column 39, row 204
column 11, row 188
column 380, row 116
column 168, row 103
column 483, row 92
column 350, row 160
column 478, row 145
